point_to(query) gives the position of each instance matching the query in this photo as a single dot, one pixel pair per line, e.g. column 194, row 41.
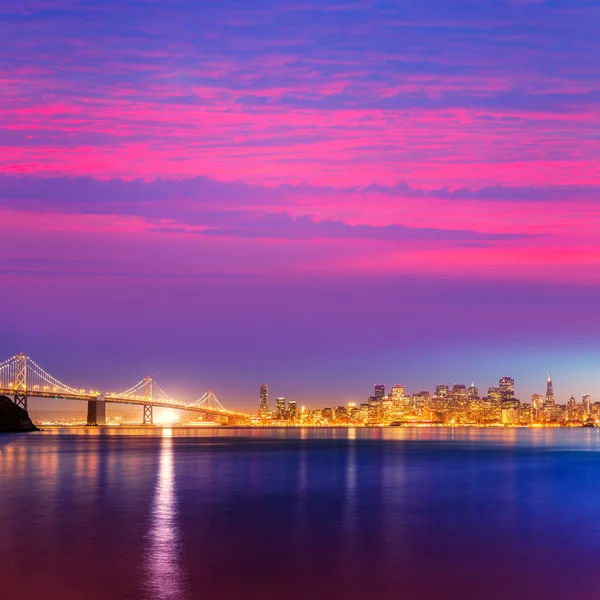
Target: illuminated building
column 510, row 416
column 387, row 411
column 537, row 401
column 473, row 392
column 364, row 412
column 421, row 401
column 549, row 391
column 292, row 409
column 441, row 391
column 340, row 414
column 280, row 408
column 374, row 415
column 397, row 392
column 327, row 414
column 379, row 390
column 264, row 400
column 305, row 414
column 507, row 389
column 587, row 403
column 494, row 395
column 397, row 400
column 526, row 414
column 458, row 395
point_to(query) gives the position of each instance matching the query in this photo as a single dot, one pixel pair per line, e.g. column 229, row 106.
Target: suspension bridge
column 21, row 378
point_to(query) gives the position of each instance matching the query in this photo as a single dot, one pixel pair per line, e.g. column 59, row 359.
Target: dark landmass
column 13, row 418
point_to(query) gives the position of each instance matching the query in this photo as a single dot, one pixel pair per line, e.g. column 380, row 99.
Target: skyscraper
column 374, row 414
column 379, row 390
column 264, row 400
column 293, row 410
column 473, row 392
column 441, row 391
column 397, row 400
column 280, row 408
column 397, row 392
column 507, row 388
column 549, row 391
column 587, row 404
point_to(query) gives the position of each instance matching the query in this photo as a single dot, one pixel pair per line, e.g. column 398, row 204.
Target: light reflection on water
column 165, row 580
column 165, row 514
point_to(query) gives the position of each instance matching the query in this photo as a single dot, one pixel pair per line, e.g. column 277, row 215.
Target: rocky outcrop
column 13, row 418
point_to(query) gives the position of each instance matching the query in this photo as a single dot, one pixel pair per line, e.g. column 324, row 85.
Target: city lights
column 450, row 406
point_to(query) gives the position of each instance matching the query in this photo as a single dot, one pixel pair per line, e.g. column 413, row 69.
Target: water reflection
column 165, row 577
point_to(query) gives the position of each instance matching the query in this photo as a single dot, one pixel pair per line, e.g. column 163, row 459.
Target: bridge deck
column 189, row 407
column 47, row 394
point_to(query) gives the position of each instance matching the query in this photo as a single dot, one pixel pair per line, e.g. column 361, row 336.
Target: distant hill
column 13, row 418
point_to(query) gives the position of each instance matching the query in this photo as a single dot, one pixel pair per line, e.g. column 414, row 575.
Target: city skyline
column 314, row 397
column 315, row 194
column 454, row 406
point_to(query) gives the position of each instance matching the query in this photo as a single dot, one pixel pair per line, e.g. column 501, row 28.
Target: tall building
column 537, row 401
column 397, row 399
column 293, row 410
column 472, row 392
column 374, row 414
column 459, row 393
column 280, row 408
column 549, row 391
column 441, row 391
column 264, row 400
column 507, row 388
column 494, row 395
column 587, row 404
column 397, row 392
column 340, row 414
column 422, row 400
column 379, row 390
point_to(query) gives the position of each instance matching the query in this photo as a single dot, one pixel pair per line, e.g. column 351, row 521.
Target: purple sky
column 315, row 195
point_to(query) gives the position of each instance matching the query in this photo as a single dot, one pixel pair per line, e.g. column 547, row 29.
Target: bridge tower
column 148, row 416
column 21, row 381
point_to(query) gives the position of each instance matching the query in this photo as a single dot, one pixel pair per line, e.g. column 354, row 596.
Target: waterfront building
column 510, row 416
column 379, row 390
column 364, row 412
column 459, row 404
column 422, row 402
column 526, row 414
column 340, row 414
column 263, row 409
column 293, row 410
column 587, row 404
column 387, row 411
column 398, row 400
column 280, row 408
column 374, row 414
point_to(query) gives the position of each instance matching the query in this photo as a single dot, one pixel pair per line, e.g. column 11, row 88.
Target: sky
column 318, row 195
